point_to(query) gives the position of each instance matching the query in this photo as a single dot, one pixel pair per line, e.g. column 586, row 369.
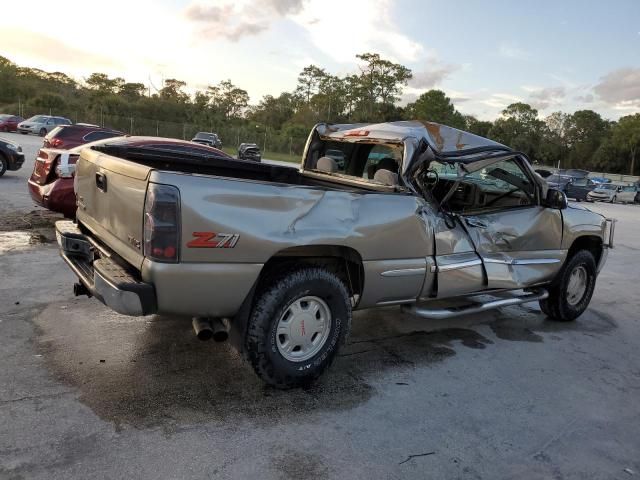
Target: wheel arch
column 591, row 243
column 345, row 262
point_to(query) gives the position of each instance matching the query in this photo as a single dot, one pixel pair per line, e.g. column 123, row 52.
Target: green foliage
column 435, row 106
column 281, row 123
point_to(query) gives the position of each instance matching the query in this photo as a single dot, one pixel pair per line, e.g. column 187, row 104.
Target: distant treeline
column 582, row 139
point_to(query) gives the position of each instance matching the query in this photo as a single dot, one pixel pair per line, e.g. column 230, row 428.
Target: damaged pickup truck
column 434, row 219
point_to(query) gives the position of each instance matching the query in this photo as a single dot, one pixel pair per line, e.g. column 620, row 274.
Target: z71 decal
column 213, row 240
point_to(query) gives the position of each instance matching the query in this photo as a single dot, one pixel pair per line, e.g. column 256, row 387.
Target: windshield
column 205, row 136
column 4, row 117
column 557, row 178
column 38, row 119
column 607, row 187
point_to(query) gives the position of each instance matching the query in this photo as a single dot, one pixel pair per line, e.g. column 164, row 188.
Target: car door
column 517, row 238
column 578, row 188
column 627, row 194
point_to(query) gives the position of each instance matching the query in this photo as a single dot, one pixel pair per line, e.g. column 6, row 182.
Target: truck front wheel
column 296, row 327
column 571, row 291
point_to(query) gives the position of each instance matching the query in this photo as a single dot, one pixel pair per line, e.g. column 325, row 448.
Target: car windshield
column 38, row 119
column 607, row 187
column 557, row 178
column 205, row 136
column 4, row 117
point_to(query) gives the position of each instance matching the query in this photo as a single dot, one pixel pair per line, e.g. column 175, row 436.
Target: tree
column 101, row 82
column 479, row 127
column 381, row 81
column 585, row 130
column 309, row 81
column 626, row 137
column 172, row 90
column 228, row 99
column 435, row 106
column 132, row 91
column 519, row 128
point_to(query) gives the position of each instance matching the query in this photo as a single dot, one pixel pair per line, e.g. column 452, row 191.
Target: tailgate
column 111, row 194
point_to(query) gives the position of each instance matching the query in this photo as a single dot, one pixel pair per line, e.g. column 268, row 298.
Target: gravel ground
column 86, row 393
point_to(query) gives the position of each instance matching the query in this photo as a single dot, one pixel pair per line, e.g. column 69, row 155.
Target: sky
column 485, row 54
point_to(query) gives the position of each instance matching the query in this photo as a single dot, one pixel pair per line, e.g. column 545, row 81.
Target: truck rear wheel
column 297, row 326
column 571, row 291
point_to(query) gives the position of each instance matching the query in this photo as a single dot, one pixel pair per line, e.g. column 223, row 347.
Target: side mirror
column 556, row 199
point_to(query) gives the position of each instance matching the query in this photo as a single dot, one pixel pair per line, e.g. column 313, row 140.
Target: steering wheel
column 431, row 178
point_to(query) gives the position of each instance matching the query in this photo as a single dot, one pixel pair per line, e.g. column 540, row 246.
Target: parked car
column 208, row 138
column 11, row 156
column 559, row 182
column 606, row 192
column 51, row 183
column 249, row 151
column 628, row 194
column 579, row 188
column 41, row 124
column 282, row 268
column 543, row 172
column 70, row 136
column 9, row 123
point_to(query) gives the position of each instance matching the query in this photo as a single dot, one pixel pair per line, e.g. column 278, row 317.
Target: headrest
column 327, row 164
column 386, row 177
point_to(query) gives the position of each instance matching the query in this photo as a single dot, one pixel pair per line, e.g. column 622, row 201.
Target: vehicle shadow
column 154, row 372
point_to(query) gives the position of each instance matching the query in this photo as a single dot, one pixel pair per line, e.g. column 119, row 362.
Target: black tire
column 613, row 199
column 3, row 164
column 272, row 303
column 557, row 306
column 43, row 132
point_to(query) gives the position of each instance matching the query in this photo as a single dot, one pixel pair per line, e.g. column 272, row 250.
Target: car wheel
column 297, row 326
column 3, row 164
column 43, row 132
column 571, row 291
column 613, row 199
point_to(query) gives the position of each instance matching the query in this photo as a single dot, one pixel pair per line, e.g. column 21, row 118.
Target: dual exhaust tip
column 208, row 328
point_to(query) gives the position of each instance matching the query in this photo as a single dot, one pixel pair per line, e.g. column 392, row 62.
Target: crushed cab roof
column 444, row 141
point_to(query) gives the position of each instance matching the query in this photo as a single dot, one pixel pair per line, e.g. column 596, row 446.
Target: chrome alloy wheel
column 303, row 328
column 577, row 285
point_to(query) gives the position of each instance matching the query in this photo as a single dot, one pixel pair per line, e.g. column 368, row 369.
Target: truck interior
column 500, row 185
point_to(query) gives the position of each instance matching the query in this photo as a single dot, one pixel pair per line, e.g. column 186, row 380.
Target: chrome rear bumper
column 103, row 277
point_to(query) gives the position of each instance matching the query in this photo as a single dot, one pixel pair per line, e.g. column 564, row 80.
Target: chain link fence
column 269, row 140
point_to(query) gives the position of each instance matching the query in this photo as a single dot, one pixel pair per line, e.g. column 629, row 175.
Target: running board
column 440, row 313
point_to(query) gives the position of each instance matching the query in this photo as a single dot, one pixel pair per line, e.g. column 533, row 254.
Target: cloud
column 587, row 98
column 620, row 87
column 431, row 76
column 341, row 29
column 544, row 98
column 36, row 45
column 510, row 50
column 235, row 20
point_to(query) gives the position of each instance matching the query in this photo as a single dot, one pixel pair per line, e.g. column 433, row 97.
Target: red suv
column 51, row 183
column 69, row 136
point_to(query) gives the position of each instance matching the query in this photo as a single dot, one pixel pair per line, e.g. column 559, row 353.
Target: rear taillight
column 66, row 165
column 162, row 223
column 56, row 142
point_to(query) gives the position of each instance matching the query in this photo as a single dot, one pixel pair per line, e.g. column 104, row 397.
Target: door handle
column 101, row 181
column 476, row 222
